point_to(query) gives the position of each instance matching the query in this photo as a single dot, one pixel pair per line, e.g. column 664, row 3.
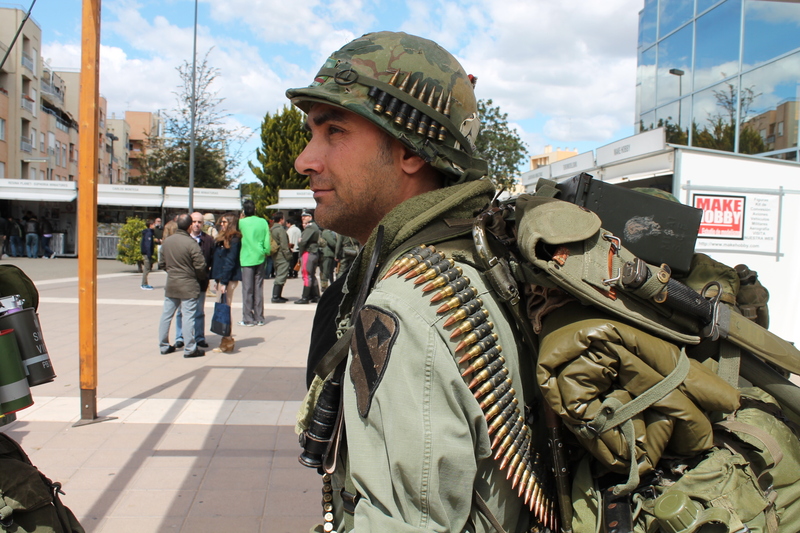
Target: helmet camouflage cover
column 410, row 87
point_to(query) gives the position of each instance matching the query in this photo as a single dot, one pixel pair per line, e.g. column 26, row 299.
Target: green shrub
column 129, row 248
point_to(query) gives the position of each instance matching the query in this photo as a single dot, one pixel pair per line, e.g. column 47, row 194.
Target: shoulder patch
column 375, row 333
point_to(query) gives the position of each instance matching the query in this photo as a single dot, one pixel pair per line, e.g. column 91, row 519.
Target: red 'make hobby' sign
column 723, row 216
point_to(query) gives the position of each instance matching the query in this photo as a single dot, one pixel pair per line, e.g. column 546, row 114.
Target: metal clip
column 712, row 329
column 616, row 244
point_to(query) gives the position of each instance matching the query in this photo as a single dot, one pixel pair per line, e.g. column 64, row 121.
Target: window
column 58, row 154
column 2, row 129
column 672, row 14
column 2, row 170
column 41, row 142
column 647, row 23
column 780, row 129
column 33, row 137
column 41, row 175
column 647, row 79
column 674, row 66
column 770, row 30
column 717, row 44
column 32, row 173
column 64, row 154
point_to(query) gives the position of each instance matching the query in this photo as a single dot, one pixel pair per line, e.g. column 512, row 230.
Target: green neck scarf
column 459, row 201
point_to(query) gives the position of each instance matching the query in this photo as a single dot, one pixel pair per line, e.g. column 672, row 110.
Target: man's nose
column 308, row 162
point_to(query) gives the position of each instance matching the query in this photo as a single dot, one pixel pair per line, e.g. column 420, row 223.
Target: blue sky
column 564, row 71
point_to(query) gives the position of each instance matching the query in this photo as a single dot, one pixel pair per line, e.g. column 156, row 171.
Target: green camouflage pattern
column 347, row 76
column 658, row 193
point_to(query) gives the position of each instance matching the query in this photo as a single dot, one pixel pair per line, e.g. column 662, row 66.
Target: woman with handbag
column 226, row 270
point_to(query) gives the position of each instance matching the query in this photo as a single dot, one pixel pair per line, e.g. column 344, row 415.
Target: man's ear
column 410, row 162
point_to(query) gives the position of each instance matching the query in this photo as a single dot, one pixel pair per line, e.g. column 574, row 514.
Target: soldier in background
column 346, row 251
column 308, row 249
column 328, row 252
column 281, row 257
column 294, row 233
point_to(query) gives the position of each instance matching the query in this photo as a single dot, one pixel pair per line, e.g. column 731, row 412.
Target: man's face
column 158, row 222
column 352, row 168
column 197, row 224
column 306, row 220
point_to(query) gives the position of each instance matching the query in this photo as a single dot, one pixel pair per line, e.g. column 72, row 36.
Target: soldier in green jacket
column 309, row 258
column 393, row 119
column 328, row 249
column 281, row 257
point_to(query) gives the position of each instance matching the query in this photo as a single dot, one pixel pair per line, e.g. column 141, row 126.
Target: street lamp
column 678, row 72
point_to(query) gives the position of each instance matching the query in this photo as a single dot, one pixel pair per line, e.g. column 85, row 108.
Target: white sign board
column 572, row 165
column 643, row 143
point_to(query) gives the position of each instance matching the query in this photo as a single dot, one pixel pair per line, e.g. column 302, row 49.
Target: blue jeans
column 46, row 245
column 199, row 321
column 188, row 308
column 16, row 248
column 32, row 245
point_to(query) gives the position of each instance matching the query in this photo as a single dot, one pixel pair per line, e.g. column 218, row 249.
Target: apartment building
column 142, row 125
column 550, row 156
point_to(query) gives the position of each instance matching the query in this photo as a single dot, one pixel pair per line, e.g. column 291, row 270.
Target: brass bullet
column 498, row 384
column 451, row 288
column 509, row 439
column 483, row 359
column 479, row 348
column 425, row 265
column 506, row 429
column 443, row 279
column 425, row 120
column 434, row 271
column 402, row 114
column 516, row 445
column 443, row 128
column 460, row 298
column 394, row 102
column 433, row 130
column 530, row 490
column 493, row 367
column 382, row 96
column 411, row 124
column 463, row 311
column 471, row 322
column 414, row 260
column 519, row 472
column 499, row 406
column 397, row 262
column 476, row 335
column 508, row 412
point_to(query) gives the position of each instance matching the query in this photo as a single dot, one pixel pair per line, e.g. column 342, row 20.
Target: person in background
column 206, row 244
column 46, row 235
column 294, row 233
column 16, row 248
column 309, row 257
column 32, row 235
column 281, row 257
column 208, row 225
column 4, row 232
column 158, row 235
column 186, row 268
column 328, row 252
column 346, row 251
column 226, row 271
column 147, row 248
column 255, row 249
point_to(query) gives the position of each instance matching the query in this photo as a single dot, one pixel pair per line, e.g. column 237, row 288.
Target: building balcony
column 27, row 62
column 25, row 144
column 52, row 93
column 27, row 103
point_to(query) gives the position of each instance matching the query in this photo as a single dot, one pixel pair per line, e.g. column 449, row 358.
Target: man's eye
column 333, row 129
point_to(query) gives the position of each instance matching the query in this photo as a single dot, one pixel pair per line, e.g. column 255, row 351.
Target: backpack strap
column 614, row 413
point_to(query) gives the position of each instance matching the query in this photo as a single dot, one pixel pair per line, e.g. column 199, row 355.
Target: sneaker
column 179, row 344
column 202, row 344
column 169, row 349
column 245, row 324
column 260, row 323
column 147, row 287
column 54, row 254
column 197, row 353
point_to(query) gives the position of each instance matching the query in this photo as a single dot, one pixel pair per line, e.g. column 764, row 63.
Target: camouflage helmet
column 413, row 89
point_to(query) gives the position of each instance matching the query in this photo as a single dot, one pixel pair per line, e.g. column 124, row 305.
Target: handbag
column 221, row 320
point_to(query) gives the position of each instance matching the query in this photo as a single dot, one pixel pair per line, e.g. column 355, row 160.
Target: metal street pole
column 679, row 73
column 194, row 110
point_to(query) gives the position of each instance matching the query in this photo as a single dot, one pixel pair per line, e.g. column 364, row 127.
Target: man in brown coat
column 186, row 268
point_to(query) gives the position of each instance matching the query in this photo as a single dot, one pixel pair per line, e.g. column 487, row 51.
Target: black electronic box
column 655, row 229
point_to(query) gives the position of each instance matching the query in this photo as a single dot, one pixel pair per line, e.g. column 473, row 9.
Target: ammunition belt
column 484, row 372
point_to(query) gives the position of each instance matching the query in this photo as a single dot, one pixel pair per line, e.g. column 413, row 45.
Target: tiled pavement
column 197, row 445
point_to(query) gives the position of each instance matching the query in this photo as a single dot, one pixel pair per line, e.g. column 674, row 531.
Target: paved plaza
column 197, row 445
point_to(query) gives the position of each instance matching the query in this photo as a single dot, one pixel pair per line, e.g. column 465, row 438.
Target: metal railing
column 25, row 144
column 27, row 103
column 27, row 62
column 52, row 91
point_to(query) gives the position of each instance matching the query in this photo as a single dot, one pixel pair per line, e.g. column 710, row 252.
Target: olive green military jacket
column 422, row 448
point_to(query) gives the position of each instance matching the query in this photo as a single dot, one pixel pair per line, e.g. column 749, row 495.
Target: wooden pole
column 87, row 207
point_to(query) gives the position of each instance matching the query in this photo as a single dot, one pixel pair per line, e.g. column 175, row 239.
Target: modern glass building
column 721, row 74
